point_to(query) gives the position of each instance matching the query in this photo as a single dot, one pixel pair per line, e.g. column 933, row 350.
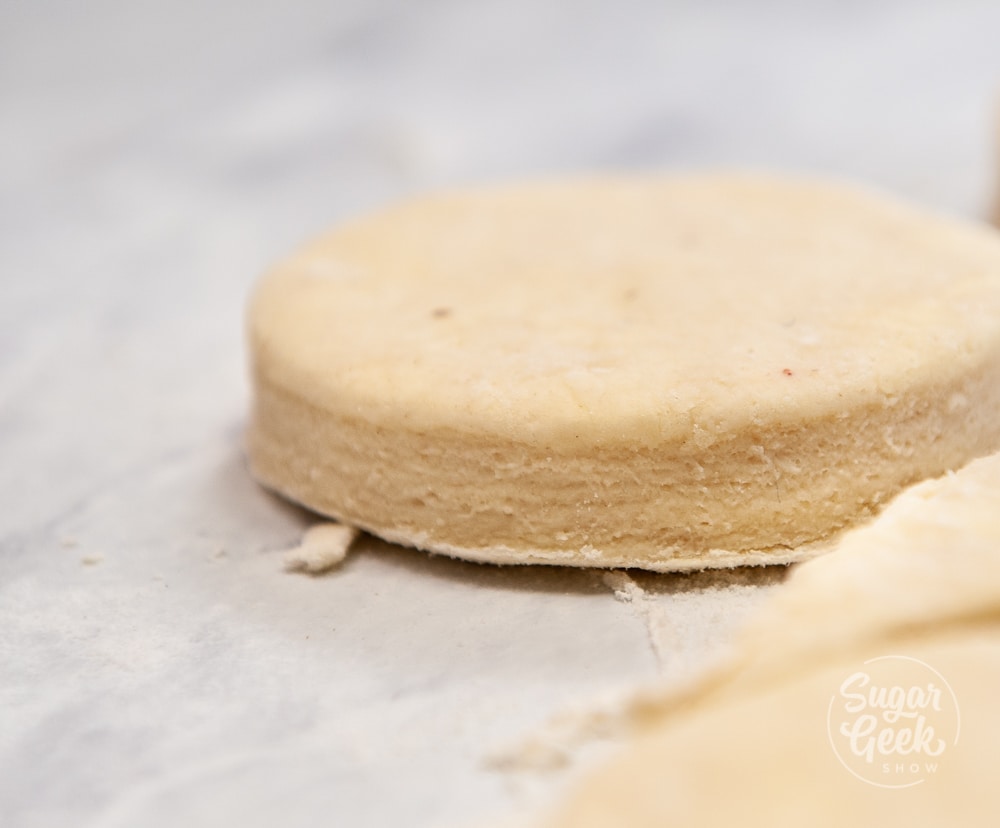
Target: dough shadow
column 522, row 578
column 711, row 579
column 554, row 579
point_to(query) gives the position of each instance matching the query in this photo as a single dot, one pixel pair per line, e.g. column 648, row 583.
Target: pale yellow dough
column 665, row 372
column 747, row 743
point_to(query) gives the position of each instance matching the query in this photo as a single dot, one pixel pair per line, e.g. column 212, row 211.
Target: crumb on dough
column 323, row 546
column 91, row 560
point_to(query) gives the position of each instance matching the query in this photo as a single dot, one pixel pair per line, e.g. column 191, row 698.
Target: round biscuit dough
column 667, row 372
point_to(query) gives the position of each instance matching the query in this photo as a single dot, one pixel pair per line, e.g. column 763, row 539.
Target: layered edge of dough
column 769, row 495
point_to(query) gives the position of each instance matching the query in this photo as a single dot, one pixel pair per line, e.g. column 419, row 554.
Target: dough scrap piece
column 921, row 581
column 765, row 759
column 671, row 372
column 323, row 547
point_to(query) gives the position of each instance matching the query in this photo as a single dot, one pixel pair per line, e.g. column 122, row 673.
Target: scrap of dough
column 667, row 372
column 763, row 760
column 921, row 580
column 323, row 546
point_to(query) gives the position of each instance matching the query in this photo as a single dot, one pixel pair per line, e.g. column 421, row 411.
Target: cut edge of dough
column 664, row 560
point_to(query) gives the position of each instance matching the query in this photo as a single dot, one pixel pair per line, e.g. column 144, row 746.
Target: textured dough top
column 633, row 309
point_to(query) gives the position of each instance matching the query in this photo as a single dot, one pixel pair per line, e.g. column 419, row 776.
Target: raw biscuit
column 667, row 372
